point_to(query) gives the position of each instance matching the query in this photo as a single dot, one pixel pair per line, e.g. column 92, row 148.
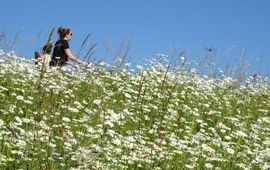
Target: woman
column 61, row 50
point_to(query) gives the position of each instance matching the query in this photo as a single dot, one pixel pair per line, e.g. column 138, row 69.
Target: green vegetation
column 152, row 118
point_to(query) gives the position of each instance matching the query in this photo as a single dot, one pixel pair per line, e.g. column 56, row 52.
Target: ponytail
column 63, row 32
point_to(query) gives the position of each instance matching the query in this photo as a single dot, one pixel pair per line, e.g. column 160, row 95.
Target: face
column 69, row 35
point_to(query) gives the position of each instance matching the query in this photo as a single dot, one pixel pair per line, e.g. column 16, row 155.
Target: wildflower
column 67, row 144
column 97, row 102
column 127, row 95
column 79, row 105
column 19, row 121
column 21, row 98
column 126, row 112
column 139, row 67
column 28, row 102
column 195, row 114
column 139, row 165
column 182, row 58
column 227, row 137
column 207, row 148
column 21, row 143
column 3, row 88
column 16, row 152
column 62, row 164
column 230, row 151
column 90, row 130
column 1, row 52
column 88, row 111
column 266, row 166
column 114, row 117
column 189, row 166
column 107, row 122
column 1, row 123
column 208, row 166
column 222, row 130
column 117, row 142
column 26, row 120
column 72, row 109
column 66, row 119
column 57, row 113
column 241, row 133
column 118, row 150
column 52, row 145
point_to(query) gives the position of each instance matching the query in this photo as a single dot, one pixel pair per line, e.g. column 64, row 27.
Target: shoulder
column 46, row 55
column 57, row 42
column 65, row 43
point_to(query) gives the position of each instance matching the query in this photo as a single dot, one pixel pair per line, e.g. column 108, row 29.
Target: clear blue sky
column 152, row 26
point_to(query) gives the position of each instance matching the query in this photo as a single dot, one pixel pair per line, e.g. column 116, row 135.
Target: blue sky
column 152, row 26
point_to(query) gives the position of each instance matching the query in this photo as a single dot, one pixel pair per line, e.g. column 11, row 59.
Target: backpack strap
column 57, row 59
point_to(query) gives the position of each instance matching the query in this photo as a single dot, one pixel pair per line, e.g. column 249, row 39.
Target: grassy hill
column 152, row 118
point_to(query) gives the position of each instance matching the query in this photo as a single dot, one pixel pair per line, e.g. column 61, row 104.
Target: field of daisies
column 155, row 117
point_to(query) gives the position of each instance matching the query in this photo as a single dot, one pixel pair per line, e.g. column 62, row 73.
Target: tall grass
column 157, row 117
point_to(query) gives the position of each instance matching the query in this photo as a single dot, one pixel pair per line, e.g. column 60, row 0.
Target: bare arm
column 72, row 57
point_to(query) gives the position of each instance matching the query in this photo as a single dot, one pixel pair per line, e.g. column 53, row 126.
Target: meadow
column 153, row 117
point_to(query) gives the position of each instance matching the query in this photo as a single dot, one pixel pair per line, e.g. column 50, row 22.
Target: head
column 64, row 33
column 47, row 48
column 37, row 55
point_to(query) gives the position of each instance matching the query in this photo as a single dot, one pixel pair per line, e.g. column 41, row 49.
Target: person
column 61, row 51
column 38, row 57
column 45, row 55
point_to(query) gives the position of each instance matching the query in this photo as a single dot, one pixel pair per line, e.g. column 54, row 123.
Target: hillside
column 151, row 118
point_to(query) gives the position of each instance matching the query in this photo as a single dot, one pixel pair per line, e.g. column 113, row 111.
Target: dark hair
column 37, row 55
column 47, row 48
column 63, row 32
